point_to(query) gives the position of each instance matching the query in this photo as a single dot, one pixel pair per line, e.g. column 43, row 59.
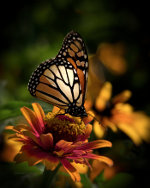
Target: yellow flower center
column 64, row 127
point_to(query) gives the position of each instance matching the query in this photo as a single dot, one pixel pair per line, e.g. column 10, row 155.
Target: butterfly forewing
column 74, row 51
column 62, row 81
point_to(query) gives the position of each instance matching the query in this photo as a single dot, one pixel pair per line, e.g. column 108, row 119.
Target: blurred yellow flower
column 96, row 77
column 98, row 167
column 9, row 148
column 115, row 113
column 112, row 57
column 108, row 58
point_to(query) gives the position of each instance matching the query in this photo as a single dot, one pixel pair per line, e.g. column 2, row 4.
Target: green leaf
column 99, row 180
column 49, row 176
column 18, row 175
column 12, row 109
column 15, row 104
column 24, row 168
column 21, row 168
column 121, row 180
column 86, row 181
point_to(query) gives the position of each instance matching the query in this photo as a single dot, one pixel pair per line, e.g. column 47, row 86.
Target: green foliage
column 121, row 180
column 10, row 112
column 100, row 180
column 33, row 31
column 86, row 181
column 20, row 175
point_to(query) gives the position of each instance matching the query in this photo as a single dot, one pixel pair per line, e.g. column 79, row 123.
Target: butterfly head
column 77, row 111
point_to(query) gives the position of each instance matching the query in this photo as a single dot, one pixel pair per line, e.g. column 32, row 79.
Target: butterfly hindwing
column 56, row 84
column 62, row 81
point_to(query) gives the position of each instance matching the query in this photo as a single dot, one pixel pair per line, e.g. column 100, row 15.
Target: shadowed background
column 33, row 31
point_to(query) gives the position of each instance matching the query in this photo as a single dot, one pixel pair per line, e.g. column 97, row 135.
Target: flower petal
column 88, row 104
column 55, row 109
column 12, row 128
column 34, row 155
column 109, row 123
column 19, row 137
column 23, row 156
column 98, row 167
column 99, row 130
column 131, row 132
column 122, row 97
column 47, row 140
column 32, row 137
column 18, row 128
column 62, row 147
column 94, row 145
column 62, row 144
column 104, row 159
column 89, row 118
column 31, row 119
column 71, row 170
column 87, row 133
column 82, row 168
column 22, row 127
column 104, row 96
column 49, row 165
column 39, row 115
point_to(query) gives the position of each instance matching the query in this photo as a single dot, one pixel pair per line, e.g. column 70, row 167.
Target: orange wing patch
column 74, row 48
column 78, row 44
column 51, row 91
column 50, row 100
column 80, row 54
column 81, row 78
column 72, row 62
column 82, row 63
column 44, row 80
column 71, row 53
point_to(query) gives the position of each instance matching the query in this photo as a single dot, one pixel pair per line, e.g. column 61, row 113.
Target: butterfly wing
column 74, row 51
column 62, row 81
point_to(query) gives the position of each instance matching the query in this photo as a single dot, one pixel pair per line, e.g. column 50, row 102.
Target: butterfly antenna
column 97, row 120
column 58, row 113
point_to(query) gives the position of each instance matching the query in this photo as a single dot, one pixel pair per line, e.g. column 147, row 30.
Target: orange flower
column 55, row 138
column 116, row 114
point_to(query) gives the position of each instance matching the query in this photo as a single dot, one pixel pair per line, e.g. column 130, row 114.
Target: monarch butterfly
column 62, row 81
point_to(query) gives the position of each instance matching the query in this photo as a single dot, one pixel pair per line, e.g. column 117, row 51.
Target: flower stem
column 49, row 176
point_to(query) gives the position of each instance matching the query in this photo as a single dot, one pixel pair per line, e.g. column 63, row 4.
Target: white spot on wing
column 86, row 76
column 85, row 56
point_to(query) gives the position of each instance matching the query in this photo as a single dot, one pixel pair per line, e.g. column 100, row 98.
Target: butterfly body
column 62, row 81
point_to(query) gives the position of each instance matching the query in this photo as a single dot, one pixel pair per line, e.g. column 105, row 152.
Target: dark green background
column 32, row 31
